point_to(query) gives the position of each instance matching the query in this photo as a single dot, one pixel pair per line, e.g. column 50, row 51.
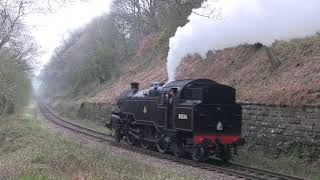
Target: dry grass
column 291, row 165
column 295, row 82
column 28, row 151
column 133, row 71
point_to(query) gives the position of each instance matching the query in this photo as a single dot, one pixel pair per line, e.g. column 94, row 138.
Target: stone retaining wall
column 274, row 126
column 95, row 111
column 263, row 125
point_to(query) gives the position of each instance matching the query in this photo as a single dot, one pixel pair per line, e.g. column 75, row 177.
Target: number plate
column 183, row 116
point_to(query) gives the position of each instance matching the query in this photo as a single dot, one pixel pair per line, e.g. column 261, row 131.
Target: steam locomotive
column 196, row 117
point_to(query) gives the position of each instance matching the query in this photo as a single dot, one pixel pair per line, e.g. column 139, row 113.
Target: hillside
column 248, row 69
column 97, row 62
column 96, row 54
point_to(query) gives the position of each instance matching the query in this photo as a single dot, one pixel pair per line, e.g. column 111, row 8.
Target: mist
column 242, row 21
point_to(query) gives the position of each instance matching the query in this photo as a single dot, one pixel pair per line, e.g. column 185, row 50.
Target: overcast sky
column 50, row 29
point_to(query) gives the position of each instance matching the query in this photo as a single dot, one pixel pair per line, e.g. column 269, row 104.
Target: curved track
column 232, row 169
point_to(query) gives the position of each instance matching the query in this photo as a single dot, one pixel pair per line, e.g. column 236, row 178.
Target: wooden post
column 275, row 62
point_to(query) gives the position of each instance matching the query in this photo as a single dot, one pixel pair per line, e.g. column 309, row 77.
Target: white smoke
column 243, row 21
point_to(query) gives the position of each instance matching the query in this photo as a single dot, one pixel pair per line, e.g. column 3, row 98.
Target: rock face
column 267, row 126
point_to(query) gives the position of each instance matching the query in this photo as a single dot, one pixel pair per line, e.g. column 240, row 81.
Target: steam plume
column 243, row 21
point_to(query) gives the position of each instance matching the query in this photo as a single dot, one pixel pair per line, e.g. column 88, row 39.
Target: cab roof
column 180, row 84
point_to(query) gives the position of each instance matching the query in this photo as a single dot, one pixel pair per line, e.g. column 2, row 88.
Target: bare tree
column 10, row 17
column 17, row 49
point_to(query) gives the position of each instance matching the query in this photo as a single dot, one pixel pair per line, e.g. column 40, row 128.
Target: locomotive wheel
column 147, row 132
column 145, row 144
column 198, row 153
column 178, row 149
column 226, row 155
column 131, row 140
column 162, row 145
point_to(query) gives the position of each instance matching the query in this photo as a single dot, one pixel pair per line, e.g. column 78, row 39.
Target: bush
column 164, row 37
column 23, row 89
column 15, row 87
column 304, row 149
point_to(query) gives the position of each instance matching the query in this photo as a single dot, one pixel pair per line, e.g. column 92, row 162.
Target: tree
column 136, row 19
column 16, row 51
column 102, row 65
column 132, row 29
column 86, row 59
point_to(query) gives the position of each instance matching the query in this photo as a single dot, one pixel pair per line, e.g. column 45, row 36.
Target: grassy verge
column 30, row 151
column 288, row 164
column 291, row 164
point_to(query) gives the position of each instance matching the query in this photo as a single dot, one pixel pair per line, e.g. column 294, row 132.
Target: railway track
column 232, row 169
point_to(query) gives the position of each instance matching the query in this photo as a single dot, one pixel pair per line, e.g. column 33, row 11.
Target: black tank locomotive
column 198, row 117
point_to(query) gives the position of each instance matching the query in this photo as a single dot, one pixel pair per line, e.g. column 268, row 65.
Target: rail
column 232, row 169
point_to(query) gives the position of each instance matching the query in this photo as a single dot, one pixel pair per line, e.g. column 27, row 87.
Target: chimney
column 135, row 86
